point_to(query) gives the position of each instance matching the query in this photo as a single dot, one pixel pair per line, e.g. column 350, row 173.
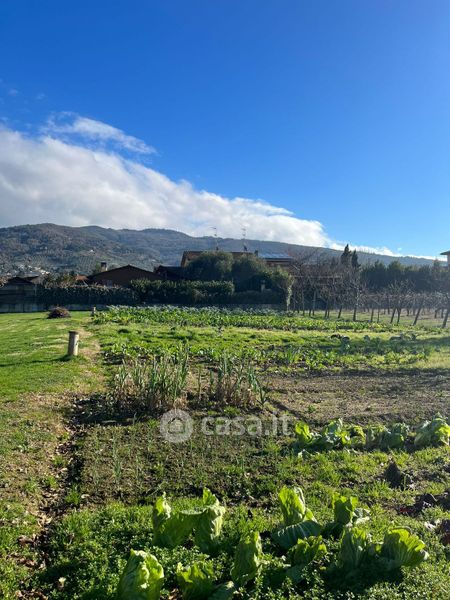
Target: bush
column 59, row 313
column 53, row 294
column 183, row 292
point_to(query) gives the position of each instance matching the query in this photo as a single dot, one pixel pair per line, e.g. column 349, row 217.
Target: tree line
column 393, row 289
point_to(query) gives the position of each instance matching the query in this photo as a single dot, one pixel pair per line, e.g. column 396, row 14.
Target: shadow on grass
column 42, row 361
column 360, row 581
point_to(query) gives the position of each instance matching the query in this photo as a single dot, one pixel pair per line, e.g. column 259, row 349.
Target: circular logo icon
column 176, row 426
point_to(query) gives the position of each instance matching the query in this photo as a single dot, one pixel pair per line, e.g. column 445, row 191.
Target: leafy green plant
column 302, row 554
column 298, row 521
column 293, row 506
column 433, row 433
column 173, row 528
column 196, row 581
column 354, row 550
column 401, row 548
column 247, row 559
column 208, row 527
column 346, row 514
column 379, row 436
column 142, row 578
column 305, row 438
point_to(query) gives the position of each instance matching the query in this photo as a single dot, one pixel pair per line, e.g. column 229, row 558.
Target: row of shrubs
column 164, row 292
column 52, row 295
column 200, row 292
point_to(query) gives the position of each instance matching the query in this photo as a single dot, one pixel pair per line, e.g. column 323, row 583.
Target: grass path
column 37, row 387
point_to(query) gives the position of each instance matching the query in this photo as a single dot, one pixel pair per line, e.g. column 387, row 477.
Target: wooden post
column 93, row 311
column 74, row 338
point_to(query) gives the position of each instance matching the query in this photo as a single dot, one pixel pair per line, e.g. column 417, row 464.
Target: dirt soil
column 408, row 395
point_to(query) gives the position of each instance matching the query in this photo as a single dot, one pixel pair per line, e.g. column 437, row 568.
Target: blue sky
column 337, row 111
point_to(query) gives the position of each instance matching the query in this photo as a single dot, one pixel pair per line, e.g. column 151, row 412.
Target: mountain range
column 49, row 247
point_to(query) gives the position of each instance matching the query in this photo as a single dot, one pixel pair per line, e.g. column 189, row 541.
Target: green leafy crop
column 142, row 578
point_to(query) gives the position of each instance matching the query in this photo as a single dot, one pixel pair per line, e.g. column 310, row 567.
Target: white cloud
column 54, row 180
column 68, row 125
column 370, row 249
column 379, row 250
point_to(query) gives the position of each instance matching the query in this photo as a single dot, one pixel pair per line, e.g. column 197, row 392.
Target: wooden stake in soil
column 74, row 338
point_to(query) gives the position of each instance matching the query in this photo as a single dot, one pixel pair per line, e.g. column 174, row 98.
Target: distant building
column 121, row 276
column 447, row 254
column 283, row 261
column 17, row 291
column 279, row 260
column 168, row 273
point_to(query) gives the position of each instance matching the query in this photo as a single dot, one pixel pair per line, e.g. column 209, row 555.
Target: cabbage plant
column 401, row 548
column 171, row 529
column 346, row 514
column 247, row 559
column 196, row 581
column 298, row 521
column 142, row 578
column 433, row 433
column 302, row 554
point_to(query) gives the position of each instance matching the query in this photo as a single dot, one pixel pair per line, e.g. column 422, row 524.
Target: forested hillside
column 55, row 247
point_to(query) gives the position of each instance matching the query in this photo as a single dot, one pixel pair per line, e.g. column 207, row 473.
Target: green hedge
column 162, row 292
column 200, row 292
column 183, row 292
column 54, row 295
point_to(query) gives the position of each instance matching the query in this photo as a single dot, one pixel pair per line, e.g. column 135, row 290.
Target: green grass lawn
column 36, row 381
column 32, row 353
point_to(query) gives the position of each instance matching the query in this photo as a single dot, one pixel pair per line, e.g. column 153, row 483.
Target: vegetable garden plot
column 205, row 550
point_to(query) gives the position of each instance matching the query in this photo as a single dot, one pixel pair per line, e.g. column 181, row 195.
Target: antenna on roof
column 215, row 237
column 244, row 240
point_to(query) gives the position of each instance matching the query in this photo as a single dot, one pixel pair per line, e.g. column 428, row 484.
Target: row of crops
column 339, row 549
column 305, row 357
column 336, row 436
column 161, row 382
column 220, row 317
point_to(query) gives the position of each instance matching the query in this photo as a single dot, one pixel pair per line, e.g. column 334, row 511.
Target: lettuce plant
column 293, row 506
column 298, row 521
column 354, row 550
column 346, row 514
column 209, row 523
column 302, row 554
column 333, row 435
column 196, row 581
column 305, row 438
column 401, row 548
column 379, row 436
column 247, row 559
column 356, row 436
column 173, row 528
column 433, row 432
column 142, row 578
